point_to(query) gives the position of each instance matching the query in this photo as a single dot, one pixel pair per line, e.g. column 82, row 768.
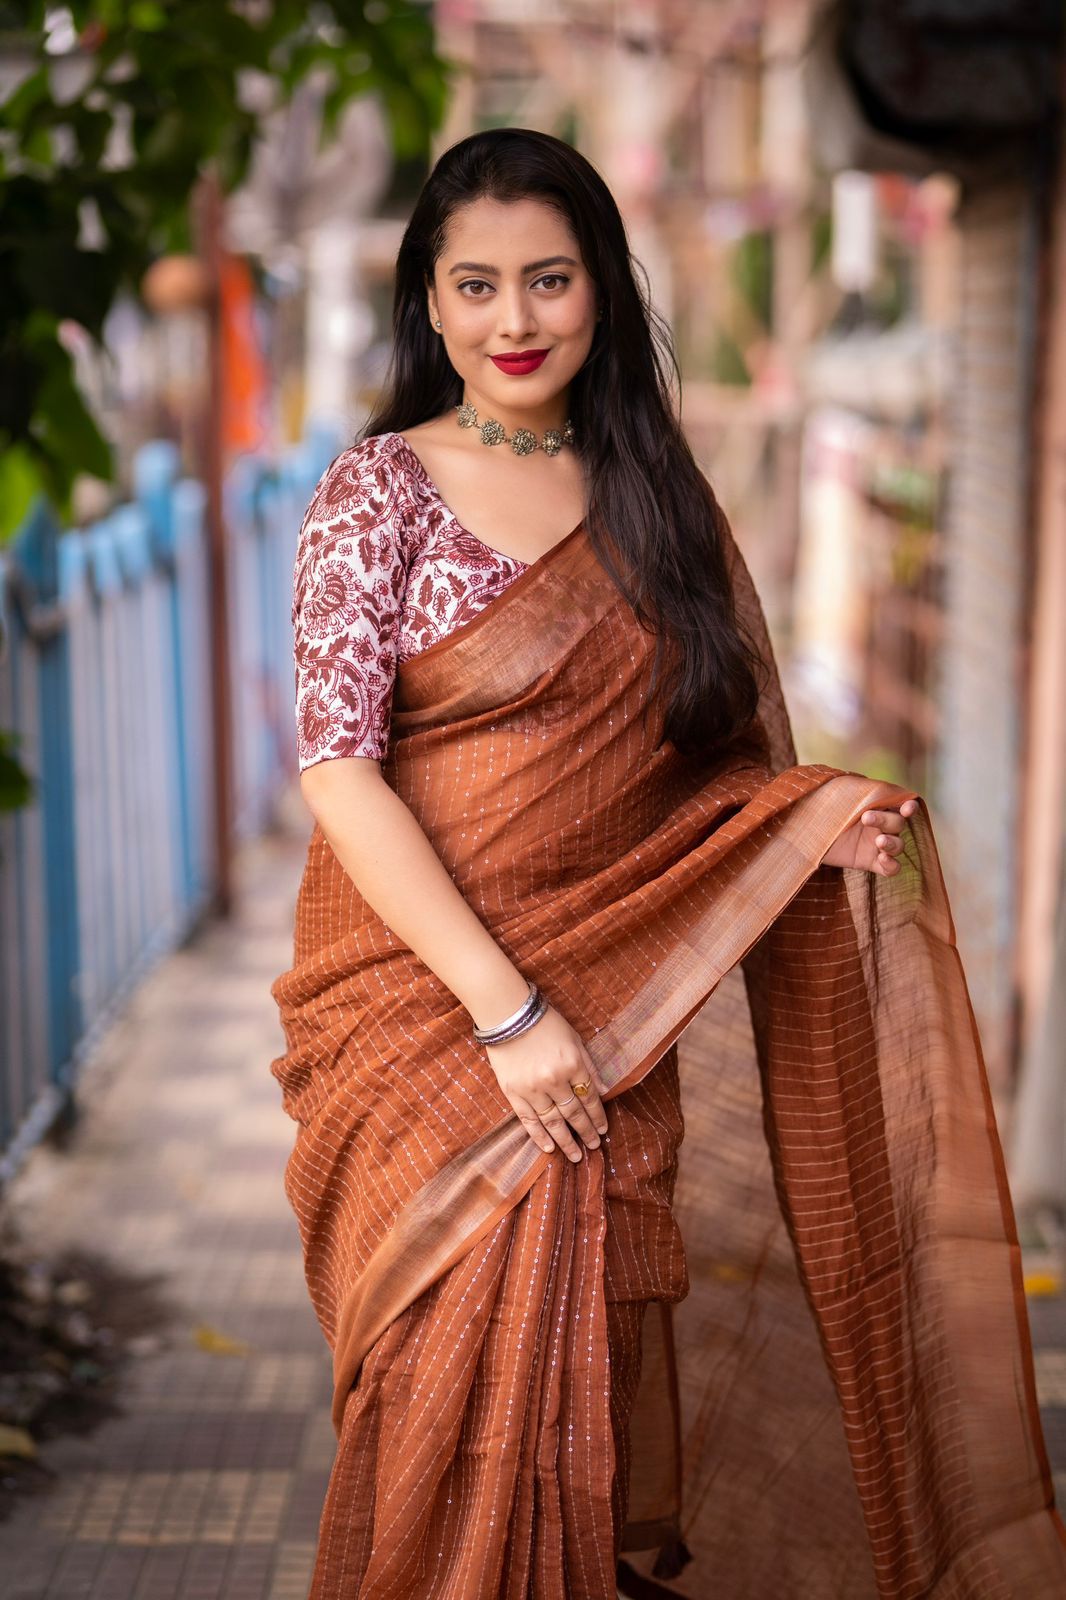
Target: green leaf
column 38, row 146
column 24, row 99
column 16, row 784
column 92, row 129
column 147, row 16
column 67, row 281
column 20, row 483
column 66, row 427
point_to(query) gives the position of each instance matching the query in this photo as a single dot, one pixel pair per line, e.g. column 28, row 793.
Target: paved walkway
column 210, row 1484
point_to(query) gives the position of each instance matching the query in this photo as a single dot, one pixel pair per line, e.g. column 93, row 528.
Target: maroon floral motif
column 382, row 571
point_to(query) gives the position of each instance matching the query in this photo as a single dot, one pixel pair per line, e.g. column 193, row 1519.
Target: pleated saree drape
column 770, row 1338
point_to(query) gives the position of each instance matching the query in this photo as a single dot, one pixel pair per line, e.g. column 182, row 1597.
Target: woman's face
column 510, row 279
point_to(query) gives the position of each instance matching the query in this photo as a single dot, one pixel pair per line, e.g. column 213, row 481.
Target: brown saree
column 787, row 1357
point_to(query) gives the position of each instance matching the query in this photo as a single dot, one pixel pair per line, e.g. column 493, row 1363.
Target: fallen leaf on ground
column 1043, row 1283
column 218, row 1343
column 16, row 1442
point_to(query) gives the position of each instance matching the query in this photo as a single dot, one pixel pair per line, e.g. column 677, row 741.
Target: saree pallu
column 770, row 1338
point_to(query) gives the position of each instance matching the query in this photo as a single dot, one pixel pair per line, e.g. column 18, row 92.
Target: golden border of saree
column 835, row 1395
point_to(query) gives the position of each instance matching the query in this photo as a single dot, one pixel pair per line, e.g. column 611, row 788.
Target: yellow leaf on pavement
column 218, row 1343
column 16, row 1442
column 1043, row 1284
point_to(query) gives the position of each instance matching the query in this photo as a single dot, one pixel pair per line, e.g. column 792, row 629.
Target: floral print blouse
column 383, row 569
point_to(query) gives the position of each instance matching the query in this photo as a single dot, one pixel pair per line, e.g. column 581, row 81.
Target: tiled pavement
column 209, row 1484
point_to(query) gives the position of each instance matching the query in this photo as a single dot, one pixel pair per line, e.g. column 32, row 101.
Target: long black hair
column 652, row 516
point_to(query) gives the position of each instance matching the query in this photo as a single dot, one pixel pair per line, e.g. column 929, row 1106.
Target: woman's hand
column 537, row 1071
column 873, row 842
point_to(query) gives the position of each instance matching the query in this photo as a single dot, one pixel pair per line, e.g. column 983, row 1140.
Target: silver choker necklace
column 523, row 441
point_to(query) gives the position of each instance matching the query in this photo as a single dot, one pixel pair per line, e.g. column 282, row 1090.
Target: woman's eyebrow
column 530, row 266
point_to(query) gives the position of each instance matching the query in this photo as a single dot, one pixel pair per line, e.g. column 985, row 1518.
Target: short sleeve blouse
column 382, row 570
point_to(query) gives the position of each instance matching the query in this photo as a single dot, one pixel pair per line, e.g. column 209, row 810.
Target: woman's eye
column 553, row 278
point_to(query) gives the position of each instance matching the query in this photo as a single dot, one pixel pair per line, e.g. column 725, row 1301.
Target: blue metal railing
column 105, row 676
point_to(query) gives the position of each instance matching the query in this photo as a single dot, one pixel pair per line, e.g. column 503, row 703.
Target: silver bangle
column 528, row 1018
column 530, row 1011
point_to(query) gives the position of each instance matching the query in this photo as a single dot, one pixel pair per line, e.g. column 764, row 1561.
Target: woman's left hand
column 873, row 842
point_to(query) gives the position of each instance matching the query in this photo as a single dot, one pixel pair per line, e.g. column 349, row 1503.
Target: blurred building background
column 853, row 216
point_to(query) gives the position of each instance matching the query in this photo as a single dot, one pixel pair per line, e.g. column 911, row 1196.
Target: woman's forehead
column 507, row 233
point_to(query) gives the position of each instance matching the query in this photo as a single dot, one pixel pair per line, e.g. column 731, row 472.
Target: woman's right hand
column 537, row 1071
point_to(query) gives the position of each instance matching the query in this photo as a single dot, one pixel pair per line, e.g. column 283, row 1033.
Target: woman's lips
column 528, row 361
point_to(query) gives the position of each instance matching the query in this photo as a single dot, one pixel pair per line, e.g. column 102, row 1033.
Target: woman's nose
column 514, row 315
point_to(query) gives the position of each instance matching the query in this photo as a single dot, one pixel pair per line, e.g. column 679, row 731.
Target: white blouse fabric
column 383, row 570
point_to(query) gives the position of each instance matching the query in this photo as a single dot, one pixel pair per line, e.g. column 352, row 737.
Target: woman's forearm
column 382, row 848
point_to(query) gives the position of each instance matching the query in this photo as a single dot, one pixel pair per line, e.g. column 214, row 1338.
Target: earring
column 438, row 322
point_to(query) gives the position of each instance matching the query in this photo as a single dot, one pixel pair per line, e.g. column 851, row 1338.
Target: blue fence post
column 24, row 1043
column 239, row 515
column 191, row 579
column 276, row 575
column 113, row 929
column 36, row 554
column 89, row 801
column 155, row 474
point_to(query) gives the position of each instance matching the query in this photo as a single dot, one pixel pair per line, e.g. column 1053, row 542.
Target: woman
column 556, row 801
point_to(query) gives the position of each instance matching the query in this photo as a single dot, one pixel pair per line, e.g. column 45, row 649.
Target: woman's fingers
column 594, row 1115
column 888, row 842
column 532, row 1124
column 581, row 1118
column 555, row 1121
column 888, row 821
column 554, row 1124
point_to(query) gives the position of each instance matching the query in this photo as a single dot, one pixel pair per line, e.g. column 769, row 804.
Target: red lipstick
column 524, row 361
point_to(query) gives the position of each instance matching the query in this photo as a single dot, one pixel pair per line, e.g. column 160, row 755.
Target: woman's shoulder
column 363, row 483
column 359, row 517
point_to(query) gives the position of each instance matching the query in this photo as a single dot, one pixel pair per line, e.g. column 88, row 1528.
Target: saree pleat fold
column 774, row 1327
